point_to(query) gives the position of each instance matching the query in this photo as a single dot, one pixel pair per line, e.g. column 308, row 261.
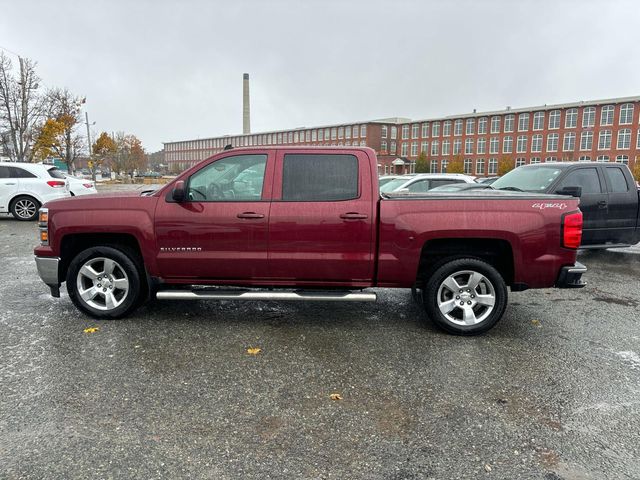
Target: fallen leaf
column 91, row 329
column 487, row 467
column 253, row 351
column 335, row 396
column 536, row 323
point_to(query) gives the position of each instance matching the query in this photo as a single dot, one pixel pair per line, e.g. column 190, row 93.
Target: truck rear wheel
column 465, row 296
column 104, row 282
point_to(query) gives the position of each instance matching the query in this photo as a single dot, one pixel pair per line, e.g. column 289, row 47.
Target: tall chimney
column 246, row 111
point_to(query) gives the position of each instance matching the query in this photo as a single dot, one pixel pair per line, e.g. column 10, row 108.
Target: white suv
column 24, row 187
column 424, row 182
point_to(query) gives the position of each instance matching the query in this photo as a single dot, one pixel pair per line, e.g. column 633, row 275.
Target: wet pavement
column 553, row 392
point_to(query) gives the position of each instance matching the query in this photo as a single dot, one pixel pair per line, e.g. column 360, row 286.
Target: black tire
column 110, row 299
column 470, row 312
column 24, row 208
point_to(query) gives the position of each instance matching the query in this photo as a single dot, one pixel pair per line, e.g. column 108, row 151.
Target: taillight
column 87, row 185
column 56, row 183
column 572, row 230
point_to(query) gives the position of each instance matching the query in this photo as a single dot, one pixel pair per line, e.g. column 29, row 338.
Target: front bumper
column 48, row 269
column 571, row 276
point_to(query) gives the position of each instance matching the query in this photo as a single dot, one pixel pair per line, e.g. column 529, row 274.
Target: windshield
column 391, row 185
column 382, row 181
column 531, row 179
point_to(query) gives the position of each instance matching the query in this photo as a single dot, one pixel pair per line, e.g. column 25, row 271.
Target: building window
column 626, row 114
column 571, row 119
column 414, row 130
column 443, row 166
column 347, row 132
column 340, row 132
column 552, row 142
column 424, row 147
column 589, row 117
column 493, row 166
column 493, row 145
column 446, row 147
column 383, row 131
column 495, row 124
column 584, row 158
column 508, row 123
column 602, row 158
column 354, row 131
column 295, row 138
column 392, row 150
column 425, row 130
column 383, row 146
column 507, row 145
column 482, row 145
column 434, row 166
column 622, row 159
column 569, row 142
column 414, row 149
column 536, row 143
column 394, row 133
column 403, row 149
column 480, row 166
column 521, row 146
column 586, row 141
column 470, row 126
column 638, row 141
column 624, row 139
column 606, row 115
column 538, row 120
column 468, row 166
column 446, row 129
column 434, row 147
column 520, row 161
column 535, row 160
column 554, row 119
column 326, row 134
column 604, row 140
column 457, row 128
column 363, row 131
column 482, row 125
column 523, row 122
column 457, row 146
column 468, row 146
column 363, row 143
column 435, row 129
column 405, row 132
column 550, row 159
column 334, row 133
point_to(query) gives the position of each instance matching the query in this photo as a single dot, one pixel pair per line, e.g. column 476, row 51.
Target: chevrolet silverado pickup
column 307, row 223
column 609, row 197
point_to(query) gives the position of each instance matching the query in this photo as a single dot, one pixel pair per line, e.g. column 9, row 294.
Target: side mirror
column 571, row 191
column 178, row 193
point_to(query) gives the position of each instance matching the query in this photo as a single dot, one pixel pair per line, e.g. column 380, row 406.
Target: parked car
column 314, row 227
column 80, row 186
column 24, row 187
column 424, row 182
column 460, row 187
column 609, row 197
column 387, row 178
column 487, row 180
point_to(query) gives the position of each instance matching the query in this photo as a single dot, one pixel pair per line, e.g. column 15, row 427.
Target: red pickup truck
column 301, row 223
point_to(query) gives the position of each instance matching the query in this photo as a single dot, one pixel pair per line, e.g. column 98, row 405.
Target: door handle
column 602, row 204
column 354, row 216
column 250, row 215
column 12, row 183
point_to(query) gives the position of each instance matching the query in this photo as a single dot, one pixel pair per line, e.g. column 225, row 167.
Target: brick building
column 599, row 130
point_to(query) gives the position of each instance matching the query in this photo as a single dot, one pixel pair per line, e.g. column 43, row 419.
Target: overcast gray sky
column 169, row 70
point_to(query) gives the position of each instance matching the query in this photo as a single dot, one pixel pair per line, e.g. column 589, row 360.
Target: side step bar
column 307, row 296
column 604, row 245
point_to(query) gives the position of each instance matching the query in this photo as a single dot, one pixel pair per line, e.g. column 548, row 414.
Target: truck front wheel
column 465, row 296
column 104, row 282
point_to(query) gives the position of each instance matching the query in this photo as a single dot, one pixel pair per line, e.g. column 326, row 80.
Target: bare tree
column 21, row 107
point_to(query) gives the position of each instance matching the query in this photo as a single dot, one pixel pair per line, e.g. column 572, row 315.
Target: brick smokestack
column 246, row 111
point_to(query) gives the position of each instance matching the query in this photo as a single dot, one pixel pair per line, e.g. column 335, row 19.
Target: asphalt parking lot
column 553, row 392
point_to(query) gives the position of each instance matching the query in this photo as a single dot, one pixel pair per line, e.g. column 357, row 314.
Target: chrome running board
column 300, row 295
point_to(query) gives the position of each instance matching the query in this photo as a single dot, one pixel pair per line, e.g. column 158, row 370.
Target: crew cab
column 609, row 197
column 307, row 223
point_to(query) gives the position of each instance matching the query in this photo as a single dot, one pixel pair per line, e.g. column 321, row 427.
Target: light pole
column 92, row 166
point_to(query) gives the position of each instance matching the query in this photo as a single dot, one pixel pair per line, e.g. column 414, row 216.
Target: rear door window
column 587, row 178
column 16, row 172
column 319, row 177
column 419, row 186
column 436, row 182
column 4, row 172
column 617, row 180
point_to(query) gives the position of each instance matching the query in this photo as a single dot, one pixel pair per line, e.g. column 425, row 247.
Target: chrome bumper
column 48, row 271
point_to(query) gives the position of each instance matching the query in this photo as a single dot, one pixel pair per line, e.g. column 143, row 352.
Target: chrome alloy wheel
column 466, row 297
column 25, row 208
column 102, row 283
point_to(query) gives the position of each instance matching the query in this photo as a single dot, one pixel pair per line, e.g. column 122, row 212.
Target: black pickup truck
column 609, row 197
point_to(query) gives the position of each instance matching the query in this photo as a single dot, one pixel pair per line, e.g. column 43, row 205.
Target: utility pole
column 93, row 168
